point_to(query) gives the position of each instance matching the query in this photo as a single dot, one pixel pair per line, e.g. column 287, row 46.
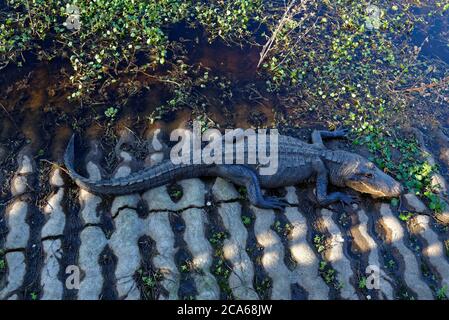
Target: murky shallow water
column 34, row 107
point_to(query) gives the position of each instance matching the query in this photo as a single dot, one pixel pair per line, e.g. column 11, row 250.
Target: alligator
column 298, row 162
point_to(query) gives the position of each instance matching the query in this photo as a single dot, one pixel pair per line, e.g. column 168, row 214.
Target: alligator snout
column 377, row 184
column 389, row 188
column 396, row 190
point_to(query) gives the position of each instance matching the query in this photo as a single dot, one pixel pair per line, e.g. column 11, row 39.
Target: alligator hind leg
column 246, row 177
column 319, row 135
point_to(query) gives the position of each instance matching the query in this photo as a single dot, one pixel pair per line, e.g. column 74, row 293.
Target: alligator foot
column 271, row 203
column 339, row 133
column 334, row 197
column 349, row 199
column 319, row 135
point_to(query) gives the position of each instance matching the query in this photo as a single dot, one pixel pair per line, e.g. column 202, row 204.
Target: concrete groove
column 273, row 254
column 303, row 254
column 336, row 257
column 242, row 276
column 372, row 249
column 433, row 249
column 124, row 240
column 412, row 274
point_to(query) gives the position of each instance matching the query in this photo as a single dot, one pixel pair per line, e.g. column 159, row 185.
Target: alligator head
column 356, row 172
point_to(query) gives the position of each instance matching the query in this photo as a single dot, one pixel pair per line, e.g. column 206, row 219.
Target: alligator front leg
column 244, row 176
column 322, row 181
column 319, row 135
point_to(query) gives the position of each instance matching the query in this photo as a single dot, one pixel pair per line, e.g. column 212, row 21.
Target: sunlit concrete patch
column 303, row 254
column 16, row 213
column 52, row 287
column 291, row 196
column 360, row 234
column 193, row 196
column 128, row 229
column 242, row 276
column 124, row 244
column 155, row 147
column 19, row 182
column 56, row 178
column 443, row 141
column 130, row 200
column 16, row 273
column 335, row 255
column 201, row 250
column 93, row 242
column 122, row 202
column 155, row 158
column 54, row 213
column 19, row 231
column 396, row 234
column 273, row 254
column 438, row 182
column 224, row 191
column 415, row 203
column 158, row 227
column 434, row 249
column 89, row 202
column 19, row 185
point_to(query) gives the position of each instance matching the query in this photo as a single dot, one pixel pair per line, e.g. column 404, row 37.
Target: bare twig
column 422, row 88
column 266, row 48
column 9, row 116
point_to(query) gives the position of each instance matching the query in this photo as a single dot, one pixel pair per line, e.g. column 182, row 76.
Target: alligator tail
column 69, row 162
column 138, row 181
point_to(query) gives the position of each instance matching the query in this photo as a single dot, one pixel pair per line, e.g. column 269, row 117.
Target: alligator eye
column 368, row 175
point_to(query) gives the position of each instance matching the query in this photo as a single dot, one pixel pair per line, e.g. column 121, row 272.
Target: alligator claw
column 272, row 203
column 340, row 133
column 349, row 199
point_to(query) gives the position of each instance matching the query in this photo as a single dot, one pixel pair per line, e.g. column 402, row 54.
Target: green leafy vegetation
column 405, row 215
column 187, row 266
column 111, row 112
column 403, row 159
column 33, row 296
column 149, row 281
column 2, row 260
column 320, row 242
column 220, row 267
column 336, row 63
column 328, row 274
column 362, row 283
column 263, row 287
column 112, row 34
column 442, row 293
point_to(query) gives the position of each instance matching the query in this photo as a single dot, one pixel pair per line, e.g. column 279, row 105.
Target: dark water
column 34, row 108
column 437, row 33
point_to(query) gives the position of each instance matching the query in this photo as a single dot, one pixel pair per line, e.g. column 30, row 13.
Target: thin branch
column 266, row 48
